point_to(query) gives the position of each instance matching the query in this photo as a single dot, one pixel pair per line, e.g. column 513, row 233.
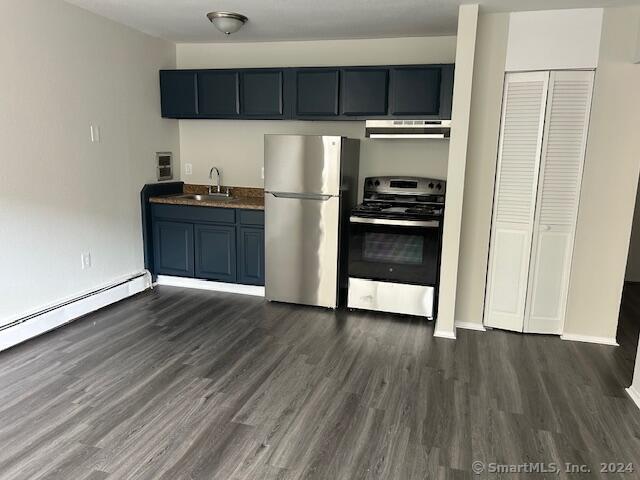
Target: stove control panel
column 404, row 186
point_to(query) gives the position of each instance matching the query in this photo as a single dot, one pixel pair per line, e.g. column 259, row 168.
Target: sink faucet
column 214, row 169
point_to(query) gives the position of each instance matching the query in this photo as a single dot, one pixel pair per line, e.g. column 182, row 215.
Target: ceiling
column 184, row 21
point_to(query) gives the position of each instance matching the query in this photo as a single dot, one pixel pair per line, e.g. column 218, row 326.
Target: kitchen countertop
column 241, row 197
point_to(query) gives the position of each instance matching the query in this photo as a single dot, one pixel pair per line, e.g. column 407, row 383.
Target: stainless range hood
column 408, row 128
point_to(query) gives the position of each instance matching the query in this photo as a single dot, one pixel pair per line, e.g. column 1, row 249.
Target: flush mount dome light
column 227, row 22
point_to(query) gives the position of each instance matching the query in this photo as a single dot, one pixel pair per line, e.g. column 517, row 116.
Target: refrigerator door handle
column 301, row 196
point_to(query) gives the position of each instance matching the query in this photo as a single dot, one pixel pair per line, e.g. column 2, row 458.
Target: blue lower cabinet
column 173, row 248
column 225, row 245
column 215, row 252
column 251, row 255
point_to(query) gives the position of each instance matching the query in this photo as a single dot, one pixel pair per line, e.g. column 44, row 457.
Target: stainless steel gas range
column 395, row 240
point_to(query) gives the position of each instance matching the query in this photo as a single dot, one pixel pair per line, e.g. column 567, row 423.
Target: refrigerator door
column 301, row 234
column 302, row 164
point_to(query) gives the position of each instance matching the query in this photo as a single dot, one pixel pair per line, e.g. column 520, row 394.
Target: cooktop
column 402, row 197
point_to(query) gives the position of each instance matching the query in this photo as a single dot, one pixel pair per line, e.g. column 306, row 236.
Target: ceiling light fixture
column 227, row 22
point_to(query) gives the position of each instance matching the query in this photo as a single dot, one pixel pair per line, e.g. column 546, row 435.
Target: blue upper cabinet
column 178, row 93
column 219, row 93
column 310, row 93
column 316, row 92
column 421, row 91
column 262, row 93
column 363, row 91
column 415, row 91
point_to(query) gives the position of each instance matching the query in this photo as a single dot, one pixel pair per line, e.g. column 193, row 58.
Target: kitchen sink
column 201, row 198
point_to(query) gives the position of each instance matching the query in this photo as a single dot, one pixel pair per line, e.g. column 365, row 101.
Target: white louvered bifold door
column 523, row 112
column 562, row 160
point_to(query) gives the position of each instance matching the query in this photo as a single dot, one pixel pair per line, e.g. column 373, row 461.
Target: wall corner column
column 460, row 115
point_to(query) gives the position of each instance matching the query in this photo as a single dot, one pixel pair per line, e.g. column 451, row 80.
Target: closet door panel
column 523, row 112
column 550, row 265
column 510, row 261
column 562, row 161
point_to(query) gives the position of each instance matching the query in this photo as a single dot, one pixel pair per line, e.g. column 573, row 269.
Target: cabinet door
column 215, row 252
column 563, row 149
column 178, row 93
column 218, row 93
column 317, row 92
column 363, row 91
column 173, row 248
column 261, row 95
column 251, row 255
column 415, row 91
column 523, row 112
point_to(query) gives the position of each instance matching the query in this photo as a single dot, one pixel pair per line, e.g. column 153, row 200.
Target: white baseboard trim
column 168, row 280
column 634, row 394
column 450, row 334
column 64, row 312
column 471, row 326
column 589, row 339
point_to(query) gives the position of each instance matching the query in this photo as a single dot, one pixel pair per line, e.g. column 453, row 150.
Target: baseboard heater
column 50, row 318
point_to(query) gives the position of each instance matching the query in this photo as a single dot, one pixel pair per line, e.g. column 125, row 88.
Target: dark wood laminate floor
column 182, row 384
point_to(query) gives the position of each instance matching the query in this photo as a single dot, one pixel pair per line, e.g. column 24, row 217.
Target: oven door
column 401, row 251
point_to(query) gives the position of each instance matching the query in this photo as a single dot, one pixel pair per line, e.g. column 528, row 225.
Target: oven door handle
column 398, row 223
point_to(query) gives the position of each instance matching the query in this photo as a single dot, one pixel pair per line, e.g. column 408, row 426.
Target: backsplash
column 235, row 191
column 237, row 149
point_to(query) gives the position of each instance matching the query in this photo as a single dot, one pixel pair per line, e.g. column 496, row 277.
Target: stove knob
column 431, row 185
column 377, row 183
column 439, row 186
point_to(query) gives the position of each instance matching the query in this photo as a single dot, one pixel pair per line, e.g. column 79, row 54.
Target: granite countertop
column 241, row 197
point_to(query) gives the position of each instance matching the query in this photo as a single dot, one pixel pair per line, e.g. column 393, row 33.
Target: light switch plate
column 85, row 259
column 95, row 133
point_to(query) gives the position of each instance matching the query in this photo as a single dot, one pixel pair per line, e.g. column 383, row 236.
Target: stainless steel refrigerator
column 311, row 184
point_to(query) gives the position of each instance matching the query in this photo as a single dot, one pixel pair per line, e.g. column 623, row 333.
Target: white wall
column 612, row 164
column 236, row 146
column 554, row 39
column 61, row 195
column 318, row 53
column 482, row 152
column 460, row 117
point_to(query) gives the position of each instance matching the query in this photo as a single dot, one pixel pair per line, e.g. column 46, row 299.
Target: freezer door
column 301, row 260
column 302, row 164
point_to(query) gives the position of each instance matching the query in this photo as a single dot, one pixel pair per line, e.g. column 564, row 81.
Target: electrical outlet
column 262, row 173
column 188, row 169
column 85, row 260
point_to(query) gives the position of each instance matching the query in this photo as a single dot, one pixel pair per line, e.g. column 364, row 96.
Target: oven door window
column 393, row 248
column 394, row 254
